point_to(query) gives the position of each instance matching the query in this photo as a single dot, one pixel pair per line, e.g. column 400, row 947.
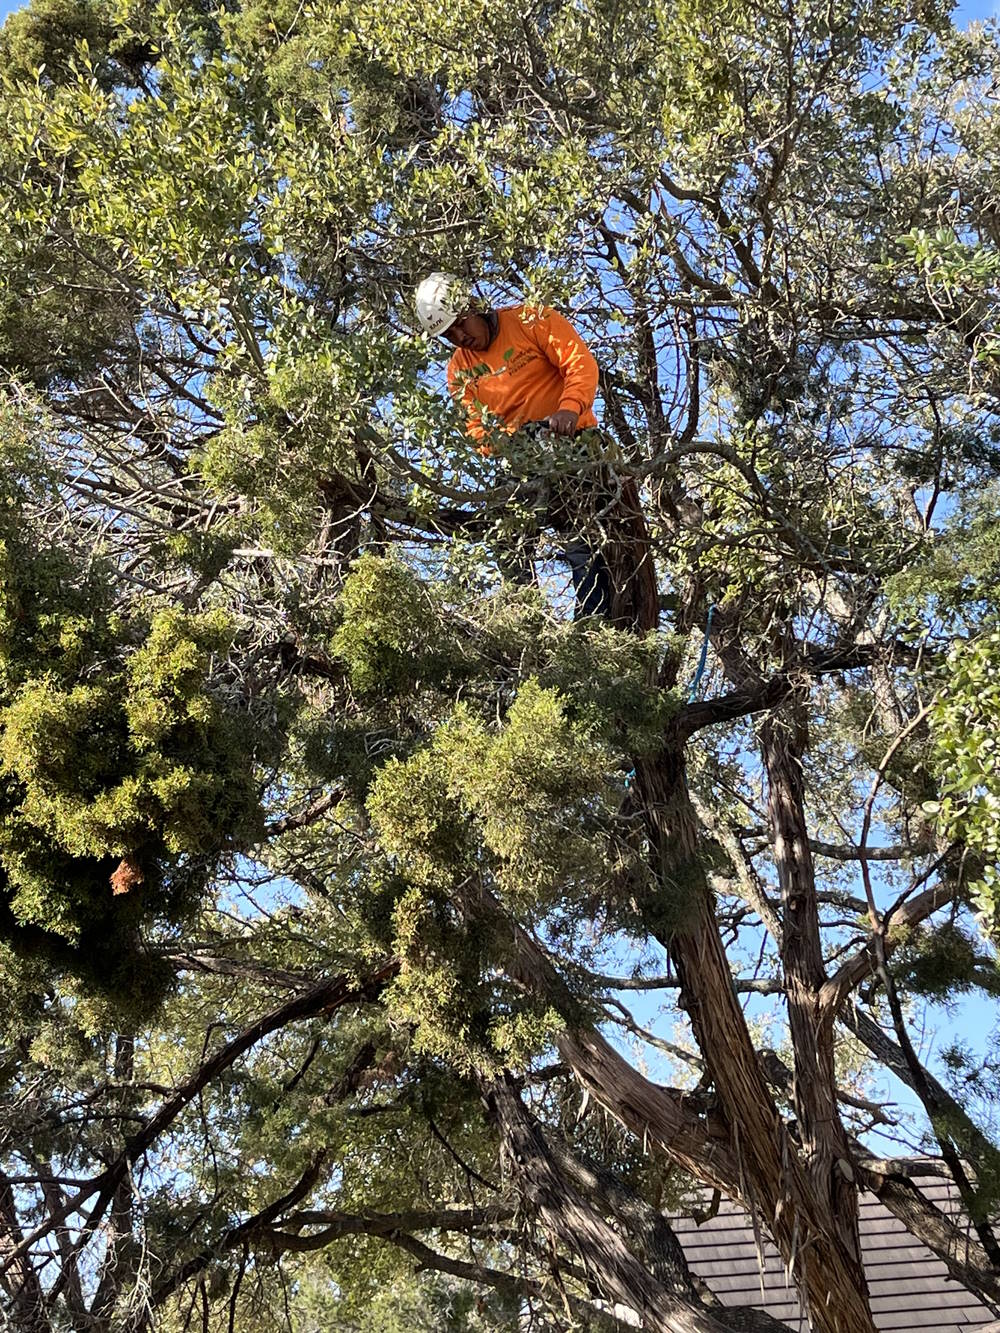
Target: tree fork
column 772, row 1174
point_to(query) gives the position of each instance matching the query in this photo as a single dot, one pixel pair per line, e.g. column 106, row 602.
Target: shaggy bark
column 636, row 601
column 775, row 1184
column 619, row 1276
column 814, row 1087
column 890, row 1181
column 658, row 1246
column 652, row 1112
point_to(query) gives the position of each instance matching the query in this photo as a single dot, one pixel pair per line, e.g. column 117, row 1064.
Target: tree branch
column 864, row 963
column 566, row 1216
column 757, row 697
column 319, row 999
column 301, row 818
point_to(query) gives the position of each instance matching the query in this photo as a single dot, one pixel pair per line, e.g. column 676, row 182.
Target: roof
column 909, row 1286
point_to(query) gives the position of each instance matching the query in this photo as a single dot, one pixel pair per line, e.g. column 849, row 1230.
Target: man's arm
column 567, row 351
column 462, row 388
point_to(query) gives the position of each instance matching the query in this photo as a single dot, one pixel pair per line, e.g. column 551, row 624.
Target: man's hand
column 562, row 423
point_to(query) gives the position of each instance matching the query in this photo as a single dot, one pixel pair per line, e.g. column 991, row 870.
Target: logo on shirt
column 516, row 361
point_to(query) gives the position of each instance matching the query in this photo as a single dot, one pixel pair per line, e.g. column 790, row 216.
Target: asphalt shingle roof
column 910, row 1287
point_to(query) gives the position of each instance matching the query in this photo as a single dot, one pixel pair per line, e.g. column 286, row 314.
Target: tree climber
column 523, row 365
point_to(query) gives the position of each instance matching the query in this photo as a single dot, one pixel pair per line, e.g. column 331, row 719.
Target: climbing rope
column 696, row 683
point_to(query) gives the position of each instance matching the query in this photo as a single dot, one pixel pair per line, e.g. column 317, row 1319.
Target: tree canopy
column 381, row 948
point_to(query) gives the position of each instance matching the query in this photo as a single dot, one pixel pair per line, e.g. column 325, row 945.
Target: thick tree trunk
column 774, row 1181
column 567, row 1216
column 814, row 1088
column 758, row 1163
column 636, row 598
column 653, row 1113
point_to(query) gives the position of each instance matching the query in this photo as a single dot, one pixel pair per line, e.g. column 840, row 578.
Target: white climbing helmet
column 440, row 300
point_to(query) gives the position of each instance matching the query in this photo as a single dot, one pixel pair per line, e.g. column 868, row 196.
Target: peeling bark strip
column 565, row 1214
column 814, row 1089
column 652, row 1112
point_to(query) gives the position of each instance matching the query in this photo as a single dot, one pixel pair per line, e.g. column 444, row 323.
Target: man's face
column 470, row 331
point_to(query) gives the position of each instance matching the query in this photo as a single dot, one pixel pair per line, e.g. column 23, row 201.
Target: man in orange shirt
column 521, row 365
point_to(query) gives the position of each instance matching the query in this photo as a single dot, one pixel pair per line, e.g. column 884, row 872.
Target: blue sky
column 967, row 10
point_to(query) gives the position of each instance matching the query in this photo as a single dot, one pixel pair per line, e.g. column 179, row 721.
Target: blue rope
column 702, row 659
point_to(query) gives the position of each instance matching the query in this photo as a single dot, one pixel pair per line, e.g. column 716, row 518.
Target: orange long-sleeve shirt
column 536, row 365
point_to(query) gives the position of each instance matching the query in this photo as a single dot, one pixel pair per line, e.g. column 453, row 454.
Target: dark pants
column 591, row 580
column 588, row 568
column 564, row 515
